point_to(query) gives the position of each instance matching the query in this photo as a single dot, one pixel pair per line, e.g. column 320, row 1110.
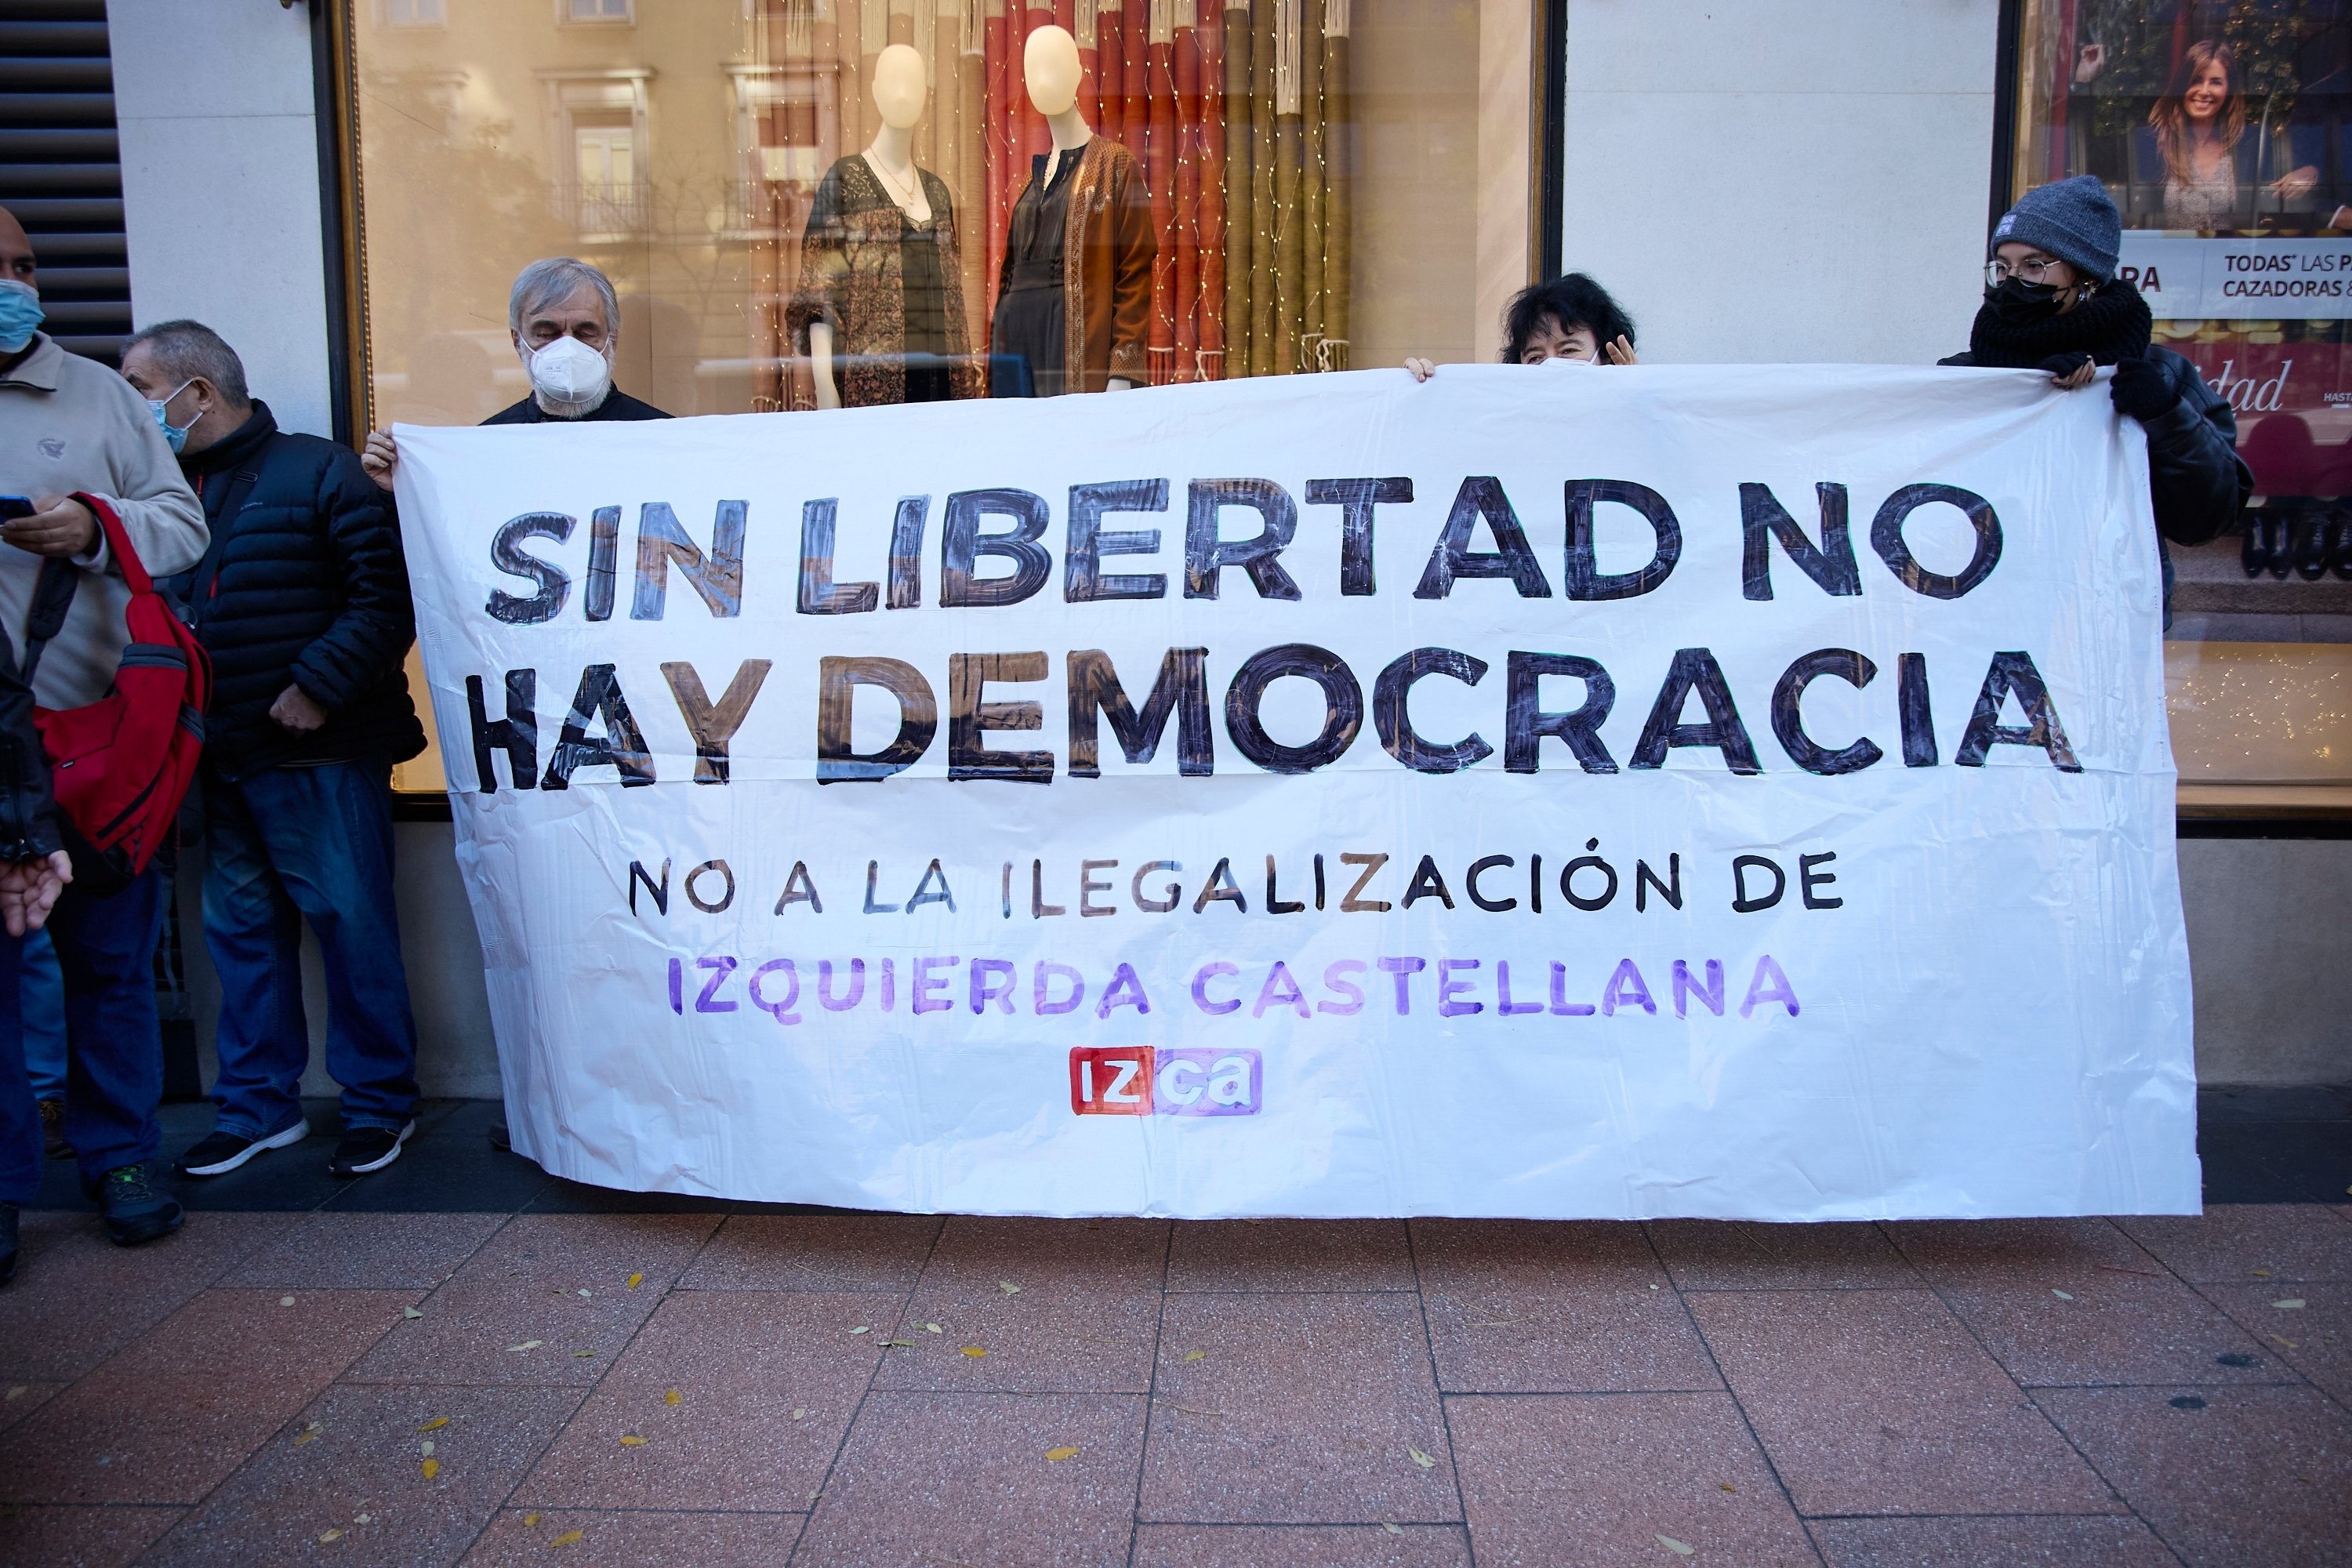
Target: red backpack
column 121, row 767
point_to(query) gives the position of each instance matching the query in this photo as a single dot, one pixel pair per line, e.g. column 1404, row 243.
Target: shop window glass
column 2223, row 129
column 1316, row 180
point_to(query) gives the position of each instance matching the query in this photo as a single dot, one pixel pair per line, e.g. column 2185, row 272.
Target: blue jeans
column 114, row 1047
column 20, row 1124
column 42, row 1005
column 289, row 844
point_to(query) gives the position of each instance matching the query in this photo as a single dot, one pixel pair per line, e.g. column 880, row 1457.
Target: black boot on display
column 134, row 1210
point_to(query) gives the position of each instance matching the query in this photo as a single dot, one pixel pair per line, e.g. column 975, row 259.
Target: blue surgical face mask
column 20, row 315
column 174, row 435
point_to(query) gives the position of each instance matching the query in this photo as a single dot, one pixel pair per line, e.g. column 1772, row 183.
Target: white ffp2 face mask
column 568, row 371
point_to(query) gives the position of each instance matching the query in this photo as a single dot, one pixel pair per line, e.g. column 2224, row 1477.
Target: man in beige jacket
column 67, row 425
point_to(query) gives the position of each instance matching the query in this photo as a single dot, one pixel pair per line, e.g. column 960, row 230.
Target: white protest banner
column 1735, row 792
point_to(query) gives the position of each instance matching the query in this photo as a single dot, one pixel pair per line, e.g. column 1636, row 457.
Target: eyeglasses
column 2033, row 270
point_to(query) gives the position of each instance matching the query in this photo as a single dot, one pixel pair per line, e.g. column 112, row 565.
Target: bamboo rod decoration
column 1263, row 216
column 1339, row 148
column 1188, row 188
column 1289, row 263
column 972, row 190
column 1110, row 59
column 1159, row 177
column 1240, row 227
column 1310, row 184
column 1212, row 36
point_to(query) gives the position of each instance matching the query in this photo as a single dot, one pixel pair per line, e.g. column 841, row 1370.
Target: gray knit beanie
column 2075, row 220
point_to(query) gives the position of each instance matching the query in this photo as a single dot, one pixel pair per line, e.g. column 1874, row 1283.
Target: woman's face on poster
column 2208, row 90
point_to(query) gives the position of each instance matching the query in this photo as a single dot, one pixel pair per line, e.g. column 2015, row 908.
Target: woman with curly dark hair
column 1571, row 319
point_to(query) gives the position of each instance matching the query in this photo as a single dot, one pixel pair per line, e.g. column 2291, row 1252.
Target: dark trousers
column 290, row 844
column 20, row 1121
column 114, row 1047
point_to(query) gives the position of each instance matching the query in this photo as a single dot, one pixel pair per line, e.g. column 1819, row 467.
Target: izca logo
column 1144, row 1080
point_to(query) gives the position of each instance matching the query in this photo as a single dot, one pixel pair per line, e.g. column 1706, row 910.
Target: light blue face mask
column 20, row 315
column 174, row 435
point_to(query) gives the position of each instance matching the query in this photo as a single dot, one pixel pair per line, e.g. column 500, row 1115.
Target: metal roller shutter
column 59, row 170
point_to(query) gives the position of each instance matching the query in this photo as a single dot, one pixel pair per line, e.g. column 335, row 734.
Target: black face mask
column 2014, row 299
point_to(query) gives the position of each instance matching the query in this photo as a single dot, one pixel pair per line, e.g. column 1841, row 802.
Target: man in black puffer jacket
column 2053, row 303
column 302, row 601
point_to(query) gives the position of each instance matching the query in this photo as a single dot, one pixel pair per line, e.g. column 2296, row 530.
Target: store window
column 2223, row 129
column 1316, row 181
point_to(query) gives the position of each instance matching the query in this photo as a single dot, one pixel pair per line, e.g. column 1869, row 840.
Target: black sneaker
column 53, row 1130
column 366, row 1149
column 134, row 1210
column 7, row 1241
column 223, row 1151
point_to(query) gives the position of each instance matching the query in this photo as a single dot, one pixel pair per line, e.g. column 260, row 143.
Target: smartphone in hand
column 14, row 507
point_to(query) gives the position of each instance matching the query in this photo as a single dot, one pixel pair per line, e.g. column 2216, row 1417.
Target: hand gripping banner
column 1733, row 792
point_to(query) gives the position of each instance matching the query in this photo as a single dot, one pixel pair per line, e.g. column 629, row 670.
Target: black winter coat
column 29, row 821
column 304, row 584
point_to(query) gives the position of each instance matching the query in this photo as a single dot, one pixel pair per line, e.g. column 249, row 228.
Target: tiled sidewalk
column 707, row 1388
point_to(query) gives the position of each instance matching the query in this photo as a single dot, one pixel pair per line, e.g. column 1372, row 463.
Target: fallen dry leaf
column 583, row 1293
column 1679, row 1548
column 862, row 1329
column 530, row 1522
column 2287, row 1342
column 1008, row 1287
column 635, row 1280
column 427, row 1449
column 798, row 1413
column 672, row 1396
column 933, row 1328
column 633, row 1441
column 528, row 1345
column 360, row 1518
column 568, row 1538
column 410, row 1312
column 2061, row 1294
column 435, row 1425
column 1392, row 1529
column 431, row 1468
column 2262, row 1273
column 1196, row 1355
column 583, row 1356
column 308, row 1433
column 18, row 1391
column 1423, row 1461
column 285, row 1300
column 1727, row 1486
column 331, row 1535
column 1058, row 1455
column 974, row 1352
column 2292, row 1302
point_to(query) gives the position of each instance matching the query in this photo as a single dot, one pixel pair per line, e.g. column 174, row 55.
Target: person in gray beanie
column 2053, row 302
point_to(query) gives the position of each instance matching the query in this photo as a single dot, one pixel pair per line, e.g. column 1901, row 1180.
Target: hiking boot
column 222, row 1151
column 366, row 1149
column 7, row 1241
column 53, row 1130
column 134, row 1210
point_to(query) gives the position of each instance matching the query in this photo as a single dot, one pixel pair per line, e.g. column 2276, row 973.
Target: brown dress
column 1106, row 250
column 892, row 289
